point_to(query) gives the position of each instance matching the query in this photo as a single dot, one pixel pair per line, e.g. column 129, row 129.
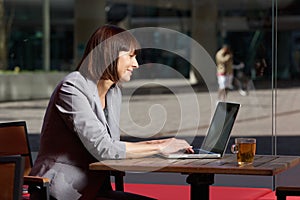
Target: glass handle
column 234, row 148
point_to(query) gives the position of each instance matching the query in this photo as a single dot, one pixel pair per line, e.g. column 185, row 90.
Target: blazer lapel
column 96, row 103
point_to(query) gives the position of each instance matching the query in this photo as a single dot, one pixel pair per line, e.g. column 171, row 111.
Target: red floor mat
column 182, row 192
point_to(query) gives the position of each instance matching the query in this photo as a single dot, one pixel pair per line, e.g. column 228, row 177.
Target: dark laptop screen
column 220, row 128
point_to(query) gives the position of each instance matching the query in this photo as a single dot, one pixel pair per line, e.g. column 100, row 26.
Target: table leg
column 200, row 185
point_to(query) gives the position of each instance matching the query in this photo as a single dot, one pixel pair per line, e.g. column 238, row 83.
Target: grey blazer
column 75, row 133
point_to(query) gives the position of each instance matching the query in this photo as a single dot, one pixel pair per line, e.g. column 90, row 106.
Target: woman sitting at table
column 81, row 124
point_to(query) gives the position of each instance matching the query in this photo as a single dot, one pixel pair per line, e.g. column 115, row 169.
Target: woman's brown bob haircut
column 101, row 54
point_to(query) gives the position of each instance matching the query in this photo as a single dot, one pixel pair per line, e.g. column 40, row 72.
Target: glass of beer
column 245, row 149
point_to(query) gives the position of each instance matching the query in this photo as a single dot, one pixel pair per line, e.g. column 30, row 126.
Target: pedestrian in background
column 224, row 61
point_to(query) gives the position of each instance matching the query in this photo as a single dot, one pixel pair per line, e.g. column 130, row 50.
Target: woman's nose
column 135, row 63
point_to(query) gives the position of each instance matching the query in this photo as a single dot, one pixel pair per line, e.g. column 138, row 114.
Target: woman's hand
column 151, row 147
column 172, row 145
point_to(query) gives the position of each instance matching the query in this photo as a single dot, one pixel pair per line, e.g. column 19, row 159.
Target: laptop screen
column 220, row 128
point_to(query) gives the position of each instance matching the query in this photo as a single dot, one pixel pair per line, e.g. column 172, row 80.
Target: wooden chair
column 14, row 141
column 283, row 192
column 11, row 179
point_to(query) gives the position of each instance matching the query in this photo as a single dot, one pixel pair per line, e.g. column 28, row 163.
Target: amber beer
column 245, row 149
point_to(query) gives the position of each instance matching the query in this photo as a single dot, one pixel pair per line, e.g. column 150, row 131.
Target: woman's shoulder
column 77, row 80
column 76, row 75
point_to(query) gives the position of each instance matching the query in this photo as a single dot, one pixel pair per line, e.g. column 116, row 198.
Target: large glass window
column 264, row 37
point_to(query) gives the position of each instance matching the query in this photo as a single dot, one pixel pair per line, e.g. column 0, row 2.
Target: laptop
column 216, row 140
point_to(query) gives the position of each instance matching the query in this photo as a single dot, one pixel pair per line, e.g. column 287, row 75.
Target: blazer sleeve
column 76, row 105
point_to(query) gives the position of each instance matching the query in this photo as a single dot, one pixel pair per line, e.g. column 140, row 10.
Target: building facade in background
column 247, row 26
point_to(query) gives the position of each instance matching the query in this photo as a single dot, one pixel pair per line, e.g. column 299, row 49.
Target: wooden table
column 201, row 171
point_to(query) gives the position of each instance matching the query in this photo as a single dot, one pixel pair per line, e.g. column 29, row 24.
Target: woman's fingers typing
column 173, row 145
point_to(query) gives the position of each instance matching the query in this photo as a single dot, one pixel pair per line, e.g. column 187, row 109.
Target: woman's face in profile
column 126, row 64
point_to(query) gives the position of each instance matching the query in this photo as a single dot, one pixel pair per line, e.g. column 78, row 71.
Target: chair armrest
column 38, row 185
column 283, row 191
column 36, row 180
